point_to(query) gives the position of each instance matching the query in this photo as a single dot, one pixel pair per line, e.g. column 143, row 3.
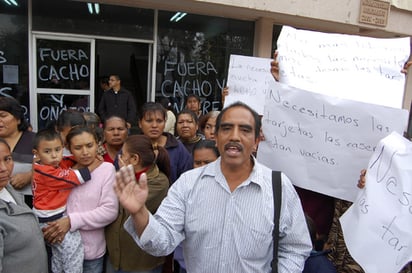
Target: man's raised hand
column 132, row 195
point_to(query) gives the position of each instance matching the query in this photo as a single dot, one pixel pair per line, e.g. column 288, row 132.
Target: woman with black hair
column 14, row 130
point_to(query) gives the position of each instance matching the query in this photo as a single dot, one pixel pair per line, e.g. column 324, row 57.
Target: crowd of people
column 184, row 194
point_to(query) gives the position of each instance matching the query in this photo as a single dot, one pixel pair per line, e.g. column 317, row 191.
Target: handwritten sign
column 383, row 210
column 200, row 78
column 322, row 142
column 347, row 66
column 51, row 105
column 248, row 81
column 63, row 64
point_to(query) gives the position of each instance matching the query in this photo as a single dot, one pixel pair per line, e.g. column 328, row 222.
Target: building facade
column 53, row 54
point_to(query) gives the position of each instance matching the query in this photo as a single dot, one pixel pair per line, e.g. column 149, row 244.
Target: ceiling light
column 93, row 8
column 11, row 2
column 177, row 14
column 97, row 8
column 90, row 8
column 180, row 17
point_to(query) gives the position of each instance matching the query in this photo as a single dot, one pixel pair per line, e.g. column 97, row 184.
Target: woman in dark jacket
column 14, row 130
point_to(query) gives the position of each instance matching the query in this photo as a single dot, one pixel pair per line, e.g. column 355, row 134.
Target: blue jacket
column 318, row 263
column 180, row 159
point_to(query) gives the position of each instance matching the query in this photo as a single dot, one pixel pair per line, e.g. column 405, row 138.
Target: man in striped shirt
column 223, row 212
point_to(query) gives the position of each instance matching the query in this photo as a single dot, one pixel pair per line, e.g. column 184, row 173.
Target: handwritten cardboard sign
column 322, row 142
column 347, row 66
column 381, row 217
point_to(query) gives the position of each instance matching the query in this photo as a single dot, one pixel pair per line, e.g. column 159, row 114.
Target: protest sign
column 248, row 81
column 377, row 227
column 347, row 66
column 322, row 142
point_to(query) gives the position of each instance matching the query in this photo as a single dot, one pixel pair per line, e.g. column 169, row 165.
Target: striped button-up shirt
column 224, row 231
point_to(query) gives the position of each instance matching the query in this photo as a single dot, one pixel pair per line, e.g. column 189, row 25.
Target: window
column 14, row 71
column 193, row 56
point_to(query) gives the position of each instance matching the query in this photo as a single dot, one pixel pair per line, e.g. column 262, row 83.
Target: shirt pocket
column 253, row 243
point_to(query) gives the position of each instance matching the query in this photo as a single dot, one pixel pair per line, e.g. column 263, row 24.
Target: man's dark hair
column 116, row 76
column 256, row 117
column 46, row 135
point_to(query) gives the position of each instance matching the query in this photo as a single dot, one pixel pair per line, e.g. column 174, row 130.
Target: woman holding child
column 91, row 206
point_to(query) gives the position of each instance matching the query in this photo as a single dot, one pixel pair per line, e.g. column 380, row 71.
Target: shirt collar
column 213, row 169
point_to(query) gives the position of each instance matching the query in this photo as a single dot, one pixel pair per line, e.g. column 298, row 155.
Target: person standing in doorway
column 118, row 101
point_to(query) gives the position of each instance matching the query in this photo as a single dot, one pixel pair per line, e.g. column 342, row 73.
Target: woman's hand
column 55, row 231
column 406, row 66
column 132, row 195
column 274, row 67
column 20, row 180
column 225, row 92
column 362, row 179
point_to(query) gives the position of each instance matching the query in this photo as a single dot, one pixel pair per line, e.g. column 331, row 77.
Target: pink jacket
column 91, row 207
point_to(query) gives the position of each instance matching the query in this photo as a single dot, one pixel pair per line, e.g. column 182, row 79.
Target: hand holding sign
column 383, row 210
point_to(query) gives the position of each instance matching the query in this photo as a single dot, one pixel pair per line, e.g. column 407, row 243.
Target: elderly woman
column 14, row 130
column 186, row 128
column 21, row 241
column 115, row 133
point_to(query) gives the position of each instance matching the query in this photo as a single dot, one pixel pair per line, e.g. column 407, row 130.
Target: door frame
column 34, row 91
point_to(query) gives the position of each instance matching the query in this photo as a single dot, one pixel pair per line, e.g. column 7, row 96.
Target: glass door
column 63, row 79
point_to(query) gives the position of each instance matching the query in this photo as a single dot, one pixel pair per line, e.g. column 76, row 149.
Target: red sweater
column 51, row 186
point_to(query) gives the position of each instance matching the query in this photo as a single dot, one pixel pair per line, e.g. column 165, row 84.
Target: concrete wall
column 322, row 15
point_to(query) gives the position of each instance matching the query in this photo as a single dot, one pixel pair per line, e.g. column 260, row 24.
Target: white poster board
column 322, row 142
column 347, row 66
column 248, row 81
column 377, row 227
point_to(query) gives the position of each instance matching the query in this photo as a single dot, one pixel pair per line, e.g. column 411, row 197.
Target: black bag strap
column 277, row 200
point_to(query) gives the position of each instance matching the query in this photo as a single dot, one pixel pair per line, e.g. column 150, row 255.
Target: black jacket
column 120, row 104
